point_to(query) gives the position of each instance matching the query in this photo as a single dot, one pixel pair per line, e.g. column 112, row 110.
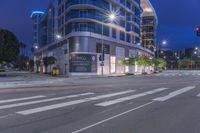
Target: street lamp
column 58, row 36
column 36, row 47
column 111, row 17
column 163, row 43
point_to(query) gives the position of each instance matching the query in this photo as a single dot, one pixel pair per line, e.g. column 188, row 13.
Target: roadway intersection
column 135, row 104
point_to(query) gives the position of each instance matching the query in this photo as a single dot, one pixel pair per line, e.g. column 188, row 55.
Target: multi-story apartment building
column 149, row 24
column 36, row 16
column 86, row 41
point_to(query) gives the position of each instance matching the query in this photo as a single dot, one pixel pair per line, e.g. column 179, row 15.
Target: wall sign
column 83, row 63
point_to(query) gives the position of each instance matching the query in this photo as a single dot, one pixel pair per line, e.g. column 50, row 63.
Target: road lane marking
column 43, row 100
column 198, row 95
column 111, row 118
column 175, row 93
column 66, row 104
column 128, row 98
column 21, row 99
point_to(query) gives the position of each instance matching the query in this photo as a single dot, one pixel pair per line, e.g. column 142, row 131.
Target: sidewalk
column 28, row 79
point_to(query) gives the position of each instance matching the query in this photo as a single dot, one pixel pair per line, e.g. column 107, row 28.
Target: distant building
column 149, row 24
column 170, row 56
column 187, row 53
column 78, row 32
column 36, row 17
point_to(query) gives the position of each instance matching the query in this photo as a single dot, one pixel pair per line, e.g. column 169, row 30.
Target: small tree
column 159, row 63
column 31, row 64
column 37, row 63
column 46, row 62
column 49, row 61
column 128, row 61
column 144, row 61
column 52, row 60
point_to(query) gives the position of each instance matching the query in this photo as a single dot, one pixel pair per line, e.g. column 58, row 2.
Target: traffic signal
column 198, row 31
column 100, row 57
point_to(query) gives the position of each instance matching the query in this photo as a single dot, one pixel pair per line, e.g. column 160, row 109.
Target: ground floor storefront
column 84, row 56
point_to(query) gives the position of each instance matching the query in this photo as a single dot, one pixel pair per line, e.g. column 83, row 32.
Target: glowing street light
column 112, row 16
column 58, row 36
column 164, row 42
column 36, row 47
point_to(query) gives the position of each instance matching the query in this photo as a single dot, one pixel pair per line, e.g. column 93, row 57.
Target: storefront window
column 113, row 64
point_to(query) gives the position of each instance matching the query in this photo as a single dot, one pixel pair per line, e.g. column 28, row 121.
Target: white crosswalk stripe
column 53, row 103
column 198, row 95
column 66, row 104
column 42, row 101
column 21, row 99
column 175, row 93
column 112, row 102
column 177, row 74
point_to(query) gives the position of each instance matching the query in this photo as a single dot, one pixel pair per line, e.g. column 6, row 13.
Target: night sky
column 177, row 20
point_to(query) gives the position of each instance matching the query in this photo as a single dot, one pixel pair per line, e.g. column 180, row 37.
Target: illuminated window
column 113, row 64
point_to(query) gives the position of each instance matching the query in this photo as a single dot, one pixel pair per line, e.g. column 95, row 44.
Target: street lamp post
column 159, row 47
column 111, row 17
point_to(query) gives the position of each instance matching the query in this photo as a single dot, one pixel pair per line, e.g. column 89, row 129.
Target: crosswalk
column 177, row 74
column 40, row 103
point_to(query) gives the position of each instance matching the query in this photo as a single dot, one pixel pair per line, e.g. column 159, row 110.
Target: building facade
column 149, row 24
column 86, row 42
column 36, row 17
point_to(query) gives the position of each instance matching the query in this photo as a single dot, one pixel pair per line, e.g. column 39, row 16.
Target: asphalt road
column 168, row 102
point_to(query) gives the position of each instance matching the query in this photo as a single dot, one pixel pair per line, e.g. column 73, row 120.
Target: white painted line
column 21, row 99
column 66, row 104
column 175, row 93
column 198, row 95
column 120, row 100
column 111, row 118
column 42, row 101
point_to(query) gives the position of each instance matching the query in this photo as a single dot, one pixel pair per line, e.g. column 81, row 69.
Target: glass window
column 128, row 38
column 106, row 30
column 83, row 26
column 128, row 4
column 122, row 36
column 122, row 23
column 112, row 64
column 114, row 33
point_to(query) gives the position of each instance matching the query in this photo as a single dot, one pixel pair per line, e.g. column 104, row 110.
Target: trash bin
column 2, row 72
column 54, row 72
column 57, row 72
